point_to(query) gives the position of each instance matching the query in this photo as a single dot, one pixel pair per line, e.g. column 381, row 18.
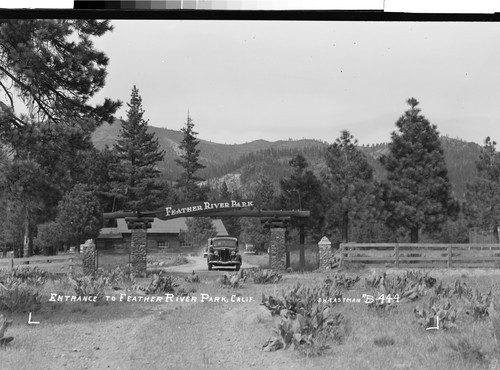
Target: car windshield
column 224, row 243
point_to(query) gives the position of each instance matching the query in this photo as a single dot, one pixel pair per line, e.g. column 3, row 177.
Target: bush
column 440, row 308
column 307, row 322
column 88, row 285
column 342, row 281
column 234, row 280
column 19, row 298
column 24, row 274
column 162, row 283
column 118, row 279
column 264, row 276
column 477, row 304
column 193, row 278
column 410, row 286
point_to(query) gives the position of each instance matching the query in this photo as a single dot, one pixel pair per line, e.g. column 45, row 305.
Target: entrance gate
column 138, row 222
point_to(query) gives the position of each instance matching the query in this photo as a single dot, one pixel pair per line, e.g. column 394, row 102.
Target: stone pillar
column 138, row 248
column 325, row 254
column 277, row 260
column 89, row 252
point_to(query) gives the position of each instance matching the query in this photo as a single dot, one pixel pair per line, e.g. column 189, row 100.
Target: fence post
column 342, row 248
column 450, row 255
column 277, row 258
column 396, row 252
column 325, row 254
column 89, row 253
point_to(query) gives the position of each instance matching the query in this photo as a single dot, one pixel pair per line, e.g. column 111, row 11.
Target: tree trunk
column 302, row 252
column 414, row 234
column 495, row 234
column 28, row 250
column 345, row 227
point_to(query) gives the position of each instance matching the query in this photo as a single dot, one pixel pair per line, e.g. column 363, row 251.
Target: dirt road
column 199, row 263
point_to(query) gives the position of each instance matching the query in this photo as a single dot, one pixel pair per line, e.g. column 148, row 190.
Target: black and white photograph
column 249, row 193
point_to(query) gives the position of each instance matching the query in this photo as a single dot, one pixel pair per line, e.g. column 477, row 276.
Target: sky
column 278, row 80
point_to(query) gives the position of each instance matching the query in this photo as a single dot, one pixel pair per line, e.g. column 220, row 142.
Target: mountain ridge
column 270, row 158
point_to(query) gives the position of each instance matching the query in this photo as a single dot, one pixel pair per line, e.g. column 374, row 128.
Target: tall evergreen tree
column 54, row 69
column 419, row 192
column 482, row 199
column 302, row 190
column 189, row 161
column 264, row 196
column 199, row 229
column 232, row 224
column 80, row 215
column 137, row 178
column 350, row 192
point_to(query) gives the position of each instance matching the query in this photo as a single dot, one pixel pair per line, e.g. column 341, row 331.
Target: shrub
column 477, row 304
column 119, row 279
column 410, row 286
column 234, row 280
column 88, row 285
column 163, row 283
column 24, row 274
column 264, row 276
column 193, row 278
column 383, row 304
column 342, row 281
column 307, row 322
column 437, row 308
column 19, row 298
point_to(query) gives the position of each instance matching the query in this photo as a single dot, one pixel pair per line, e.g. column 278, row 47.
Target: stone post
column 138, row 246
column 325, row 254
column 89, row 252
column 277, row 257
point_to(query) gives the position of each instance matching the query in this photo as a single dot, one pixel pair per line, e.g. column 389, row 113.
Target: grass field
column 229, row 335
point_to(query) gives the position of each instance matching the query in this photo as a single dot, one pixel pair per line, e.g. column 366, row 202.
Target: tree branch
column 31, row 93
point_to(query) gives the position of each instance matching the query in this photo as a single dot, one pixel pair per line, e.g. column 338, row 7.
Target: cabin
column 163, row 234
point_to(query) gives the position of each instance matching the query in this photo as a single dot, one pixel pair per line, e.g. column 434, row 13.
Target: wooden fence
column 54, row 262
column 421, row 255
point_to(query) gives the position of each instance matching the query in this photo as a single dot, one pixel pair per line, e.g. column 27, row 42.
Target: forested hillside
column 242, row 164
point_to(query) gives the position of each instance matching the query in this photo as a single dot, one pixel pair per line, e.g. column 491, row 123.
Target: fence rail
column 421, row 255
column 40, row 260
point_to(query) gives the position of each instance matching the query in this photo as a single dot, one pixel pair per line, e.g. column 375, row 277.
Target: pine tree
column 418, row 195
column 302, row 190
column 136, row 180
column 79, row 215
column 264, row 196
column 349, row 192
column 232, row 224
column 54, row 69
column 199, row 229
column 482, row 199
column 189, row 161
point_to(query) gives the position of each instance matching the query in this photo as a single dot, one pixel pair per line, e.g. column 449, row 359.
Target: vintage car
column 223, row 252
column 250, row 249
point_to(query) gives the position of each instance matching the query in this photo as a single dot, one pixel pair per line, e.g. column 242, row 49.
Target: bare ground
column 209, row 335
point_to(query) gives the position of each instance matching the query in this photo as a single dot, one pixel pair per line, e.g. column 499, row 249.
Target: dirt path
column 199, row 263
